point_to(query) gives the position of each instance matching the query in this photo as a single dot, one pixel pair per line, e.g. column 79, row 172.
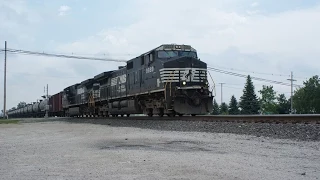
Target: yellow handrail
column 91, row 99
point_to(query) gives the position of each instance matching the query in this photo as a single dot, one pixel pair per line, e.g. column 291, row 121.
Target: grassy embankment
column 9, row 121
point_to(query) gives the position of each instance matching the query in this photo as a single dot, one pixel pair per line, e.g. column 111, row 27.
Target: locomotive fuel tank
column 124, row 107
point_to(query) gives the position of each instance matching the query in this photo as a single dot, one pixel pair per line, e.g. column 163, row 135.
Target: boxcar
column 55, row 105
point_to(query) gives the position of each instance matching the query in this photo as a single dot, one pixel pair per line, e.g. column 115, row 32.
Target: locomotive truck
column 168, row 80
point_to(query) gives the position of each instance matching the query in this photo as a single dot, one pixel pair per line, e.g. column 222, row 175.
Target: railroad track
column 279, row 119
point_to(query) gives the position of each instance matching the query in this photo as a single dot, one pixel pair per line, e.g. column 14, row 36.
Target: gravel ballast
column 305, row 132
column 61, row 150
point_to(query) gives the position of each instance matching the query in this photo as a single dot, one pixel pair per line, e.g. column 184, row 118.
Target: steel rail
column 279, row 119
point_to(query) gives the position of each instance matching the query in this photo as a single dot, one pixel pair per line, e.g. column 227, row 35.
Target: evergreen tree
column 215, row 110
column 224, row 108
column 233, row 106
column 249, row 103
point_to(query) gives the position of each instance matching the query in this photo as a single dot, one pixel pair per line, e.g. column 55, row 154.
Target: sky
column 265, row 38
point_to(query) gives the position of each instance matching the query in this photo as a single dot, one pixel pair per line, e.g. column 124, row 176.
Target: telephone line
column 262, row 73
column 38, row 75
column 252, row 77
column 24, row 52
column 15, row 51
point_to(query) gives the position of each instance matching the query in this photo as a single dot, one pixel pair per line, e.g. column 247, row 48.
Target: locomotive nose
column 185, row 62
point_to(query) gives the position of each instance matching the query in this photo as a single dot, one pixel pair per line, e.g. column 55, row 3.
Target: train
column 167, row 80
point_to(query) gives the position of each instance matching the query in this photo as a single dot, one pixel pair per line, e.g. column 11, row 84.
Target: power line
column 15, row 51
column 238, row 87
column 252, row 77
column 30, row 74
column 24, row 52
column 262, row 73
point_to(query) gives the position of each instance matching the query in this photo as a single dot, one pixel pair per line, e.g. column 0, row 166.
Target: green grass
column 9, row 121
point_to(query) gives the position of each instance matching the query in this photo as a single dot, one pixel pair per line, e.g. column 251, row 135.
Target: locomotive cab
column 177, row 71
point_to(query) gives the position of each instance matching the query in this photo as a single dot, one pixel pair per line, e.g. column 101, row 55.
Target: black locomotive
column 169, row 79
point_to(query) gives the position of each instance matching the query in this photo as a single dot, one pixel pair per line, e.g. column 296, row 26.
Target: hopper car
column 168, row 80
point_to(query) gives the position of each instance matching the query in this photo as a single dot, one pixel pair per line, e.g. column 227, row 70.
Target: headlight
column 184, row 83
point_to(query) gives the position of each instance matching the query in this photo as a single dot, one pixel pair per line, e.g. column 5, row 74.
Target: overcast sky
column 266, row 39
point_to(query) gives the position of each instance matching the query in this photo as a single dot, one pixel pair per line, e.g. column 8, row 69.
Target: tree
column 283, row 106
column 268, row 100
column 21, row 105
column 233, row 106
column 223, row 108
column 249, row 103
column 215, row 110
column 307, row 99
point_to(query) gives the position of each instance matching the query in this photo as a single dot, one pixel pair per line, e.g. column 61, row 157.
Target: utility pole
column 5, row 81
column 291, row 79
column 47, row 105
column 221, row 91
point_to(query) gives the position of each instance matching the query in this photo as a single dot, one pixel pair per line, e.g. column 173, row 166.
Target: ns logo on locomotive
column 168, row 80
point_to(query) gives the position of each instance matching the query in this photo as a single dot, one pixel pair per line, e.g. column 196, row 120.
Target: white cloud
column 254, row 4
column 275, row 43
column 253, row 12
column 225, row 38
column 63, row 10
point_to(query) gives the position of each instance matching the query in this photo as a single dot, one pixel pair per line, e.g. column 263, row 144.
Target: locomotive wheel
column 161, row 112
column 150, row 113
column 171, row 115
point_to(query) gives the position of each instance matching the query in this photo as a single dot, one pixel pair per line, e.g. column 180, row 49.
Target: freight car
column 35, row 109
column 169, row 79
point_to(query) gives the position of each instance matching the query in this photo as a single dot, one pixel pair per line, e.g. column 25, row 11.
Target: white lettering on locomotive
column 188, row 75
column 119, row 80
column 150, row 69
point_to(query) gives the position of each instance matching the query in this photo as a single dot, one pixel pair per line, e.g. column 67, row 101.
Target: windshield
column 170, row 54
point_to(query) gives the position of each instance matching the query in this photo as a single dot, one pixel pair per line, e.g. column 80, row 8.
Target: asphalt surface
column 64, row 150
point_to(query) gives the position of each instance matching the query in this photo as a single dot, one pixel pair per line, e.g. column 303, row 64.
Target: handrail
column 165, row 86
column 91, row 99
column 214, row 85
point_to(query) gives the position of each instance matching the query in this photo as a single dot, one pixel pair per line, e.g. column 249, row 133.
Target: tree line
column 306, row 100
